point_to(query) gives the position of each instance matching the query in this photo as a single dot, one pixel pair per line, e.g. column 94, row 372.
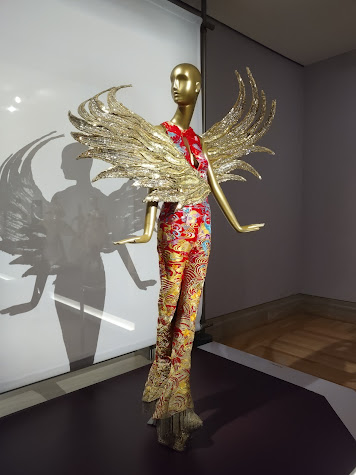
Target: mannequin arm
column 224, row 204
column 150, row 219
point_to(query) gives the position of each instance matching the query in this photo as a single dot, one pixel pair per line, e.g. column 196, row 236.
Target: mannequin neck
column 183, row 116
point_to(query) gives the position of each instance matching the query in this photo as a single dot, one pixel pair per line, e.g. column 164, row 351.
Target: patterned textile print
column 183, row 249
column 176, row 134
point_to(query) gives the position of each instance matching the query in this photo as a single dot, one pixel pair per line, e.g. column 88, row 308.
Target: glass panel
column 68, row 296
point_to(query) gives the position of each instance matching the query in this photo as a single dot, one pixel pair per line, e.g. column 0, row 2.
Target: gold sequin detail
column 142, row 152
column 235, row 136
column 137, row 150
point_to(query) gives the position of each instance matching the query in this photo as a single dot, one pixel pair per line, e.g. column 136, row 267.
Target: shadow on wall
column 66, row 238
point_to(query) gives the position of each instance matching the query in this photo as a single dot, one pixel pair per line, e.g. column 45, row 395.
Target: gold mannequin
column 155, row 157
column 186, row 84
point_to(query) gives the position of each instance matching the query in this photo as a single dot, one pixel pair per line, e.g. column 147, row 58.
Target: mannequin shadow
column 66, row 237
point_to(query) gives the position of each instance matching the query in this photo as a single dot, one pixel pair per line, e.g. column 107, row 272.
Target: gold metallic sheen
column 144, row 153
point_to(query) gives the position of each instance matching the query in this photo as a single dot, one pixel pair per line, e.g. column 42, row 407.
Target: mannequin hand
column 144, row 284
column 250, row 227
column 19, row 308
column 135, row 239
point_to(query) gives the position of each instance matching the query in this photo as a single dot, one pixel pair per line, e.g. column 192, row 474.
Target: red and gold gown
column 184, row 237
column 159, row 160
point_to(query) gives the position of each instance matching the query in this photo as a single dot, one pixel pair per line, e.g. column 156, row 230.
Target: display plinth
column 253, row 424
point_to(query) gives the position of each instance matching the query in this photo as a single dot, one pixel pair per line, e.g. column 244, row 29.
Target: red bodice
column 177, row 134
column 191, row 220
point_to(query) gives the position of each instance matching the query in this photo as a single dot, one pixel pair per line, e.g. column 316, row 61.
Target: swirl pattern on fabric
column 184, row 237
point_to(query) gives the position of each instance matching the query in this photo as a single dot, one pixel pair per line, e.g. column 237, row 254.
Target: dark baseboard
column 253, row 317
column 330, row 308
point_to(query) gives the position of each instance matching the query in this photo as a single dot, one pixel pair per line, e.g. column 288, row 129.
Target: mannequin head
column 186, row 84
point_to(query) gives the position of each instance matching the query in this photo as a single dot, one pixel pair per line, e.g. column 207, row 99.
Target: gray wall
column 249, row 269
column 329, row 233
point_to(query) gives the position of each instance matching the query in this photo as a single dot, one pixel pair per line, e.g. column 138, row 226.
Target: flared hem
column 174, row 431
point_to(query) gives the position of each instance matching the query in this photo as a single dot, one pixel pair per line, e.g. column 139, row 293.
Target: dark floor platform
column 254, row 424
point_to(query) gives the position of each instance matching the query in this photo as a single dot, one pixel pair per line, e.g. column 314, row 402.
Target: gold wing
column 137, row 150
column 235, row 136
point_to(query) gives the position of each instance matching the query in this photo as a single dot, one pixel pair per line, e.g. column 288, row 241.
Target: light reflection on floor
column 340, row 398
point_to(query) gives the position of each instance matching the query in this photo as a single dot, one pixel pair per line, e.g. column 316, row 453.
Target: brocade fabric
column 184, row 237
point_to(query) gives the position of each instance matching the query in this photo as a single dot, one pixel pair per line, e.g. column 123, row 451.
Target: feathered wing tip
column 136, row 150
column 231, row 117
column 93, row 122
column 236, row 134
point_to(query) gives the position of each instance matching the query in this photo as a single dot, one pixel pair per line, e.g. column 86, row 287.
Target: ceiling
column 305, row 31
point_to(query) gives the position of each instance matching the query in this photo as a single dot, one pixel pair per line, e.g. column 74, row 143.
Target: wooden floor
column 315, row 345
